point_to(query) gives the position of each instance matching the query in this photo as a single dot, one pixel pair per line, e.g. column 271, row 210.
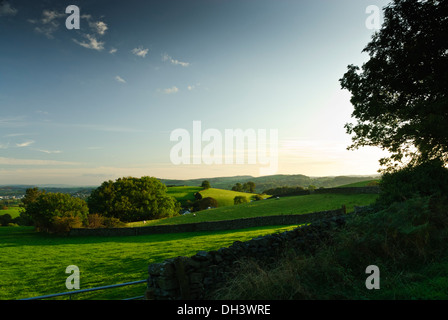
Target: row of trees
column 245, row 187
column 114, row 202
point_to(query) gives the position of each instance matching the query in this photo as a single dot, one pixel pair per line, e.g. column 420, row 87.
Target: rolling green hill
column 273, row 181
column 224, row 197
column 286, row 205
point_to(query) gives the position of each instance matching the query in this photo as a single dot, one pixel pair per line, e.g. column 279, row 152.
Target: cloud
column 99, row 27
column 93, row 43
column 120, row 79
column 171, row 90
column 15, row 162
column 166, row 57
column 6, row 9
column 48, row 151
column 112, row 51
column 140, row 52
column 24, row 144
column 48, row 24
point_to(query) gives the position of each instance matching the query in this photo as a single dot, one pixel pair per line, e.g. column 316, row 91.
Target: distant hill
column 273, row 181
column 261, row 183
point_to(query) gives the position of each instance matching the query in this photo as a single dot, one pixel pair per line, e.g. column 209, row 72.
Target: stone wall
column 196, row 277
column 342, row 190
column 350, row 190
column 209, row 225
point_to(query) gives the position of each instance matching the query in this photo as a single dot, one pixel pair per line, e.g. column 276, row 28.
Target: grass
column 406, row 240
column 225, row 197
column 183, row 194
column 13, row 211
column 33, row 264
column 286, row 205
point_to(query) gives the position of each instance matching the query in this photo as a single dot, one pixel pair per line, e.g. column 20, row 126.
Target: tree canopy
column 400, row 95
column 49, row 210
column 133, row 199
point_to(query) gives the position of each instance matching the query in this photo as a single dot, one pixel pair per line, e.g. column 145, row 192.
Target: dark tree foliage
column 205, row 203
column 50, row 208
column 400, row 96
column 426, row 179
column 133, row 199
column 240, row 199
column 206, row 184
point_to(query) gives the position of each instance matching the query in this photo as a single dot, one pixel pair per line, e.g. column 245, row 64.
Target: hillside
column 273, row 181
column 287, row 205
column 183, row 194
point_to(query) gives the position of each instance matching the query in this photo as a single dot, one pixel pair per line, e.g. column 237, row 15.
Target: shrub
column 240, row 199
column 62, row 225
column 49, row 207
column 257, row 197
column 205, row 203
column 111, row 222
column 430, row 178
column 95, row 220
column 5, row 219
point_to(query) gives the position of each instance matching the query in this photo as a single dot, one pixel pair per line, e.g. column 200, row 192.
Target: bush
column 48, row 208
column 5, row 219
column 205, row 203
column 62, row 225
column 111, row 222
column 240, row 199
column 256, row 197
column 430, row 178
column 95, row 220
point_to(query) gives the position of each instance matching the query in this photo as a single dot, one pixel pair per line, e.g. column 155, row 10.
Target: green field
column 33, row 264
column 286, row 205
column 13, row 211
column 183, row 194
column 224, row 197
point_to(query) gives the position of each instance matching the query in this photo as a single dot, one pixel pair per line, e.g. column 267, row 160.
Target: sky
column 82, row 106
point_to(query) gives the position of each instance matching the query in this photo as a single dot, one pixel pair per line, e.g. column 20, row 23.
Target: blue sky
column 83, row 106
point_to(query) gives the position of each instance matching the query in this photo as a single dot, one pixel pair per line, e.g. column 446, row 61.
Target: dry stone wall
column 208, row 225
column 196, row 277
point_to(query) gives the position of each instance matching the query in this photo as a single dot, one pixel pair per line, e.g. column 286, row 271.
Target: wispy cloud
column 97, row 29
column 93, row 43
column 113, row 50
column 120, row 79
column 140, row 52
column 48, row 151
column 6, row 9
column 16, row 162
column 171, row 90
column 166, row 57
column 24, row 144
column 48, row 23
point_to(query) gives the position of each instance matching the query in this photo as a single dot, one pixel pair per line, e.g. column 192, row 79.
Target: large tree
column 133, row 199
column 400, row 95
column 48, row 210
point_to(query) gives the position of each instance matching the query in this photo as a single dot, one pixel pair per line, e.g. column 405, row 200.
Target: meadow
column 13, row 211
column 285, row 205
column 33, row 264
column 183, row 194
